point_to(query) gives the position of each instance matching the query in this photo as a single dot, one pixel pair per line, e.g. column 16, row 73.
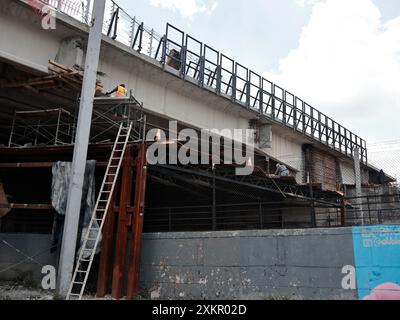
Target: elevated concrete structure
column 166, row 95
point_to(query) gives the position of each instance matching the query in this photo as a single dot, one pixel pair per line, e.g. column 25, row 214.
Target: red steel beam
column 123, row 223
column 137, row 226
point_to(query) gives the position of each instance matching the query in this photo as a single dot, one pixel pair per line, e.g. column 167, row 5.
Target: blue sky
column 271, row 27
column 341, row 56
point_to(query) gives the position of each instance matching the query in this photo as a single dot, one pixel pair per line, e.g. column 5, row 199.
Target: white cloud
column 304, row 3
column 347, row 65
column 186, row 8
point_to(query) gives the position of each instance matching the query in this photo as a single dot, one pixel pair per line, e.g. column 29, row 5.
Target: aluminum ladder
column 93, row 233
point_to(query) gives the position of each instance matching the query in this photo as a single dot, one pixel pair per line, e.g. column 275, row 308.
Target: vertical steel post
column 12, row 130
column 132, row 35
column 37, row 132
column 123, row 223
column 58, row 127
column 137, row 224
column 151, row 42
column 273, row 102
column 261, row 91
column 308, row 165
column 141, row 29
column 369, row 211
column 67, row 256
column 357, row 175
column 343, row 213
column 87, row 12
column 214, row 201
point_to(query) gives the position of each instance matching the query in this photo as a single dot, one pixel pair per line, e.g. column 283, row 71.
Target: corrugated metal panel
column 347, row 171
column 324, row 169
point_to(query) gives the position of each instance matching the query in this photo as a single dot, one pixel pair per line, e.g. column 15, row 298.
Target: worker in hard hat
column 281, row 170
column 120, row 91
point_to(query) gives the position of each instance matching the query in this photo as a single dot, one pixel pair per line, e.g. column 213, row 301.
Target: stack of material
column 59, row 77
column 70, row 77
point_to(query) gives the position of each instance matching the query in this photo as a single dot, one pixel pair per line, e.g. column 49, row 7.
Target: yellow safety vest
column 121, row 92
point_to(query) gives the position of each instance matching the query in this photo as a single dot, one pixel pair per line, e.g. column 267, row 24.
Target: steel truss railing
column 252, row 181
column 214, row 71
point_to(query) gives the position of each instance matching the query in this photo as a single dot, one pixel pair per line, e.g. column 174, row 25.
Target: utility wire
column 27, row 258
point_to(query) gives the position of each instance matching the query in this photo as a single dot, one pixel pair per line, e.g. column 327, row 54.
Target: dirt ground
column 18, row 292
column 9, row 291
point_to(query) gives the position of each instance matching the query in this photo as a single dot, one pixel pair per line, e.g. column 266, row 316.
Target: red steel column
column 106, row 250
column 123, row 224
column 137, row 226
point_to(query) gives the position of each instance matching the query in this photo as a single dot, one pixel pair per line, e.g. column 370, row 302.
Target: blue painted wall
column 377, row 256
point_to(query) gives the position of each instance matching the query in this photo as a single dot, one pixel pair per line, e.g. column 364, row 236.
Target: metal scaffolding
column 50, row 127
column 57, row 127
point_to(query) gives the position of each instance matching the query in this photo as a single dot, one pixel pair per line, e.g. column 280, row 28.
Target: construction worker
column 120, row 91
column 281, row 170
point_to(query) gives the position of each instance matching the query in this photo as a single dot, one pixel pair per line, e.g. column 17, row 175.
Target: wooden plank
column 60, row 66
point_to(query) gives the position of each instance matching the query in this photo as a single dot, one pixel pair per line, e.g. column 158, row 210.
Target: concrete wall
column 16, row 248
column 268, row 264
column 288, row 264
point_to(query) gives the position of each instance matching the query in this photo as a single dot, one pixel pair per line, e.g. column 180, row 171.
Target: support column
column 67, row 256
column 357, row 175
column 123, row 224
column 310, row 182
column 214, row 200
column 106, row 249
column 137, row 227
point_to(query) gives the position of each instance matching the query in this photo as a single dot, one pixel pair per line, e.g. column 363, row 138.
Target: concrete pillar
column 265, row 134
column 68, row 248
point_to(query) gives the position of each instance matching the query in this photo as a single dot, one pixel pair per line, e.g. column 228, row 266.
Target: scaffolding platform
column 57, row 127
column 41, row 128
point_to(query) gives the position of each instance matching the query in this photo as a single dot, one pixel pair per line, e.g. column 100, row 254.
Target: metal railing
column 78, row 9
column 373, row 209
column 197, row 62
